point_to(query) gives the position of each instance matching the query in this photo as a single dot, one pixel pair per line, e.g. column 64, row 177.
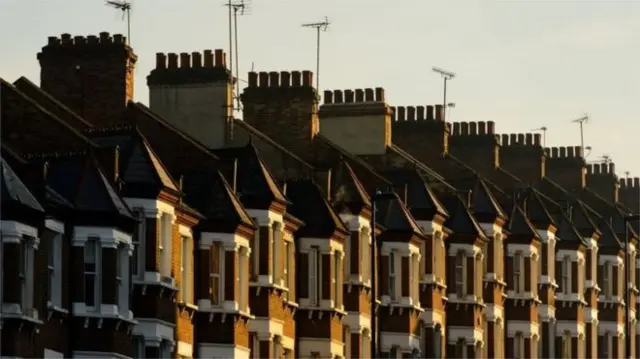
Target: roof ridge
column 150, row 154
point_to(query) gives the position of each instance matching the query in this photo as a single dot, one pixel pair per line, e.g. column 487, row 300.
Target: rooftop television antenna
column 582, row 120
column 319, row 26
column 241, row 7
column 542, row 129
column 125, row 7
column 627, row 173
column 446, row 75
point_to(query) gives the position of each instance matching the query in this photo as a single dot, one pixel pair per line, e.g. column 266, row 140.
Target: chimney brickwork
column 476, row 144
column 283, row 105
column 567, row 167
column 602, row 179
column 523, row 155
column 630, row 193
column 421, row 131
column 357, row 120
column 194, row 92
column 92, row 75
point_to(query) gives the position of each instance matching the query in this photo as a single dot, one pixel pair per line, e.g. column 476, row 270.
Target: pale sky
column 522, row 64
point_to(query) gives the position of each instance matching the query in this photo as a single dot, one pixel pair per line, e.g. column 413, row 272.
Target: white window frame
column 566, row 275
column 337, row 279
column 219, row 275
column 315, row 273
column 54, row 268
column 393, row 275
column 518, row 346
column 255, row 252
column 276, row 239
column 186, row 268
column 243, row 279
column 286, row 269
column 518, row 272
column 566, row 345
column 138, row 241
column 95, row 274
column 165, row 244
column 460, row 274
column 26, row 274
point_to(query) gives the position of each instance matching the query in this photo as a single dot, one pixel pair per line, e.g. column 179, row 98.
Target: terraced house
column 343, row 229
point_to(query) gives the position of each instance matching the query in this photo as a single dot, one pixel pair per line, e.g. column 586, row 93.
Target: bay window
column 53, row 245
column 518, row 349
column 460, row 274
column 138, row 239
column 392, row 276
column 518, row 272
column 314, row 276
column 566, row 275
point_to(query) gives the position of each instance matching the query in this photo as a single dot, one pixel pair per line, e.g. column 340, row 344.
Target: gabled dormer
column 570, row 260
column 523, row 259
column 610, row 267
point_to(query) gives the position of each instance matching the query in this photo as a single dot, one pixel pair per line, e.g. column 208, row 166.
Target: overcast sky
column 522, row 64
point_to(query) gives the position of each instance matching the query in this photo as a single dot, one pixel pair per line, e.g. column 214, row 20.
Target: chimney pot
column 521, row 139
column 482, row 128
column 513, row 138
column 221, row 58
column 369, row 95
column 612, row 168
column 79, row 40
column 337, row 96
column 594, row 169
column 118, row 39
column 504, row 140
column 253, row 79
column 554, row 152
column 393, row 113
column 274, row 79
column 380, row 94
column 173, row 60
column 528, row 140
column 430, row 113
column 563, row 152
column 402, row 113
column 66, row 39
column 196, row 60
column 348, row 96
column 185, row 60
column 328, row 96
column 491, row 128
column 411, row 113
column 307, row 78
column 285, row 78
column 92, row 40
column 52, row 40
column 457, row 129
column 296, row 79
column 578, row 151
column 636, row 182
column 105, row 38
column 263, row 79
column 419, row 112
column 161, row 61
column 464, row 128
column 473, row 128
column 439, row 113
column 208, row 59
column 359, row 95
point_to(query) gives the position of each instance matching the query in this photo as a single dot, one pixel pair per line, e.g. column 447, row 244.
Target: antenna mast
column 543, row 129
column 324, row 26
column 582, row 120
column 242, row 7
column 446, row 75
column 125, row 7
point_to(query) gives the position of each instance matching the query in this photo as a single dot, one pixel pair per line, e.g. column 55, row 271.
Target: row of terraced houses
column 176, row 230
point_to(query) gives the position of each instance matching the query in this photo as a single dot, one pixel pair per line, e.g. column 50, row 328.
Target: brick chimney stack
column 194, row 92
column 476, row 144
column 425, row 135
column 283, row 105
column 91, row 75
column 602, row 179
column 567, row 167
column 522, row 154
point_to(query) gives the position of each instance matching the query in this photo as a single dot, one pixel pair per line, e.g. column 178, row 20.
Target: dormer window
column 518, row 272
column 460, row 274
column 566, row 275
column 392, row 276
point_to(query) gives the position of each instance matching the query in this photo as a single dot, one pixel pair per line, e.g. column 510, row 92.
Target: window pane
column 89, row 290
column 215, row 290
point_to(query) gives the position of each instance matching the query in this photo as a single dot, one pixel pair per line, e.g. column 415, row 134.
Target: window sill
column 156, row 279
column 55, row 310
column 212, row 311
column 30, row 317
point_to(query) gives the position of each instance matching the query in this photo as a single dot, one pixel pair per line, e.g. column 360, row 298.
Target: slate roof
column 394, row 216
column 480, row 198
column 139, row 164
column 519, row 224
column 255, row 184
column 460, row 220
column 311, row 206
column 421, row 199
column 348, row 194
column 14, row 193
column 534, row 205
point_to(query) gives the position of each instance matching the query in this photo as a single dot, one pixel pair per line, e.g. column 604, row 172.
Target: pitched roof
column 460, row 220
column 80, row 181
column 608, row 238
column 519, row 224
column 348, row 194
column 311, row 206
column 52, row 105
column 35, row 129
column 480, row 200
column 13, row 192
column 535, row 207
column 395, row 216
column 421, row 200
column 255, row 184
column 139, row 164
